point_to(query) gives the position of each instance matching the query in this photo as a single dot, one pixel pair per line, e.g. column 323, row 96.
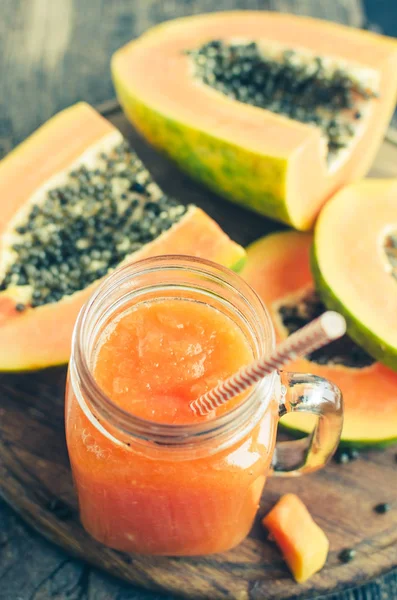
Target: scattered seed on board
column 347, row 555
column 382, row 508
column 61, row 510
column 342, row 458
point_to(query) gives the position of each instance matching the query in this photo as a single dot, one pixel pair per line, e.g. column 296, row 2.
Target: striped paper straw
column 329, row 326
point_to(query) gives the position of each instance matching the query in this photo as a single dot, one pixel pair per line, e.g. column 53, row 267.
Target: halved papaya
column 77, row 202
column 278, row 268
column 357, row 274
column 273, row 111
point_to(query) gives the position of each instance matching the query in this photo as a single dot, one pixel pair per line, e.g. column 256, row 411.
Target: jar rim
column 167, row 433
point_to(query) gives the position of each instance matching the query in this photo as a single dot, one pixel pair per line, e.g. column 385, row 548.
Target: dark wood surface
column 53, row 54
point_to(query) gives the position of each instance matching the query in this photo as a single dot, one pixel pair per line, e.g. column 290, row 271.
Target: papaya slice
column 302, row 542
column 69, row 217
column 273, row 111
column 278, row 268
column 357, row 275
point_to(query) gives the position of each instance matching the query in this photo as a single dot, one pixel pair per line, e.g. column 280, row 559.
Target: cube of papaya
column 302, row 542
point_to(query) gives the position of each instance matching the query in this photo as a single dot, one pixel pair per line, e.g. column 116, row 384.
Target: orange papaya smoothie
column 152, row 361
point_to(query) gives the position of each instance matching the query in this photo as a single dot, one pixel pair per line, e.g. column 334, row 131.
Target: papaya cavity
column 84, row 223
column 390, row 246
column 326, row 93
column 304, row 306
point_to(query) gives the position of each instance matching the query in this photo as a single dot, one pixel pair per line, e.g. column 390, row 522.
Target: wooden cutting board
column 35, row 477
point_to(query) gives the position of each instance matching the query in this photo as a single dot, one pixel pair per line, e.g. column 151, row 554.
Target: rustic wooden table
column 54, row 53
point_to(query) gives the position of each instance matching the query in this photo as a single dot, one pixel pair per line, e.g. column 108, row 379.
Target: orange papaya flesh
column 302, row 542
column 34, row 335
column 357, row 275
column 265, row 161
column 278, row 268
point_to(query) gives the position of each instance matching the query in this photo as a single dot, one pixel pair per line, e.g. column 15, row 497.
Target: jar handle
column 315, row 395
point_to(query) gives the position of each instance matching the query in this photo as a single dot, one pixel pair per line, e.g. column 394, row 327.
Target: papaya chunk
column 302, row 542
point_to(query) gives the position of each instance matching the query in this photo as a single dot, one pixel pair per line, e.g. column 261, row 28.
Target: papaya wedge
column 71, row 216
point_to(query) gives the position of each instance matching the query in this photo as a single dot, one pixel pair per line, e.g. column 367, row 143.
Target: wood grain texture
column 53, row 54
column 35, row 477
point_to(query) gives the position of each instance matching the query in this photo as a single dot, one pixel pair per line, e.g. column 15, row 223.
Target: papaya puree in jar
column 152, row 476
column 152, row 361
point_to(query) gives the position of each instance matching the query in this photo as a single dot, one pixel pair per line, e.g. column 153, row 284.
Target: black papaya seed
column 382, row 508
column 347, row 555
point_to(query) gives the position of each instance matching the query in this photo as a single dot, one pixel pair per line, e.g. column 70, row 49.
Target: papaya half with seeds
column 273, row 111
column 354, row 263
column 278, row 268
column 71, row 215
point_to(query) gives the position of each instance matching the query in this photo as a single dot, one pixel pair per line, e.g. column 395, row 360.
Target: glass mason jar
column 185, row 489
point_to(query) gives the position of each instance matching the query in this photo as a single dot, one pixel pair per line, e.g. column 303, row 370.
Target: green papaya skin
column 364, row 337
column 357, row 444
column 227, row 169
